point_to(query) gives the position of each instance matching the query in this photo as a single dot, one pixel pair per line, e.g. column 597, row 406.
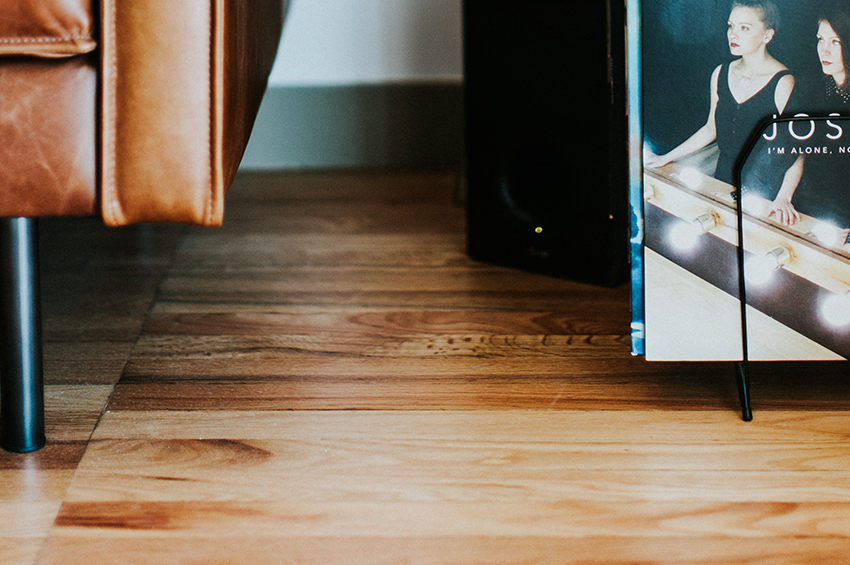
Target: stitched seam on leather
column 211, row 78
column 111, row 210
column 43, row 39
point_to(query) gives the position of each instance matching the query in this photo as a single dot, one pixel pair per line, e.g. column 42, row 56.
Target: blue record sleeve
column 635, row 175
column 739, row 105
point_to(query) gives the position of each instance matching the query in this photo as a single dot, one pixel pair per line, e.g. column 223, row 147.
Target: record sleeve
column 713, row 88
column 633, row 66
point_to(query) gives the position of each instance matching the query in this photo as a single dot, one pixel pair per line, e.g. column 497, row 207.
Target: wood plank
column 56, row 455
column 338, row 472
column 507, row 349
column 448, row 550
column 22, row 489
column 21, row 551
column 496, row 426
column 33, row 485
column 346, row 202
column 567, row 518
column 416, row 394
column 259, row 283
column 348, row 371
column 351, row 217
column 275, row 249
column 593, row 317
column 298, row 456
column 85, row 306
column 70, row 245
column 85, row 362
column 72, row 411
column 435, row 487
column 97, row 283
column 229, row 294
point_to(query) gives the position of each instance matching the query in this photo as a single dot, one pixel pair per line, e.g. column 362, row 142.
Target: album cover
column 633, row 66
column 713, row 87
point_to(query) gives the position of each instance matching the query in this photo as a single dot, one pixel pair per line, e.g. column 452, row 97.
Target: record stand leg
column 742, row 369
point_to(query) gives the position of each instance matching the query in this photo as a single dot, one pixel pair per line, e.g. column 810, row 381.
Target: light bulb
column 835, row 310
column 759, row 269
column 684, row 235
column 827, row 233
column 691, row 178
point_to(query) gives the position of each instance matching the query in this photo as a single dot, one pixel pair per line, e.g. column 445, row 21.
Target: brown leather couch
column 133, row 110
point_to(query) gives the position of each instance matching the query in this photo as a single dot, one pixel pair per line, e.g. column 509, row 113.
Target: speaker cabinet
column 546, row 137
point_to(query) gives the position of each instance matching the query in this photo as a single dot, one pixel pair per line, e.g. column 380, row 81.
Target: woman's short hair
column 769, row 11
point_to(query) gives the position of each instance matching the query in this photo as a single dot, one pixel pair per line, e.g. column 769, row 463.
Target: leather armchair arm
column 181, row 85
column 143, row 118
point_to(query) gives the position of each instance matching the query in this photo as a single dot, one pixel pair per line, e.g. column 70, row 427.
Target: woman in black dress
column 834, row 91
column 752, row 87
column 824, row 192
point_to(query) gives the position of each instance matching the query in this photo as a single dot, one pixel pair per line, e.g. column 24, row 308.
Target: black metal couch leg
column 21, row 376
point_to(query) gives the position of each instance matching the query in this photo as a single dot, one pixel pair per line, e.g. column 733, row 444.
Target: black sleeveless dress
column 824, row 190
column 735, row 123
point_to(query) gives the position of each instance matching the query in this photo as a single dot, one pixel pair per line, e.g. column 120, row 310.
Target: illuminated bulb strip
column 759, row 269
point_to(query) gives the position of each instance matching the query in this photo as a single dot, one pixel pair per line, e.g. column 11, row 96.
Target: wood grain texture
column 20, row 550
column 445, row 550
column 529, row 481
column 329, row 379
column 97, row 285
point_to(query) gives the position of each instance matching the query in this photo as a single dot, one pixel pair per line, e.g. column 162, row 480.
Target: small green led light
column 538, row 229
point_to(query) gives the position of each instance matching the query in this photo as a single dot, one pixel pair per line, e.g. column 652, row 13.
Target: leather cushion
column 46, row 28
column 47, row 127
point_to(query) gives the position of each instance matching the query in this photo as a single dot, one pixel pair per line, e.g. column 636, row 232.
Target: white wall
column 349, row 42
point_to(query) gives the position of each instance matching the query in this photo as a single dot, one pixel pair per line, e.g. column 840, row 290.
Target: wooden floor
column 328, row 379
